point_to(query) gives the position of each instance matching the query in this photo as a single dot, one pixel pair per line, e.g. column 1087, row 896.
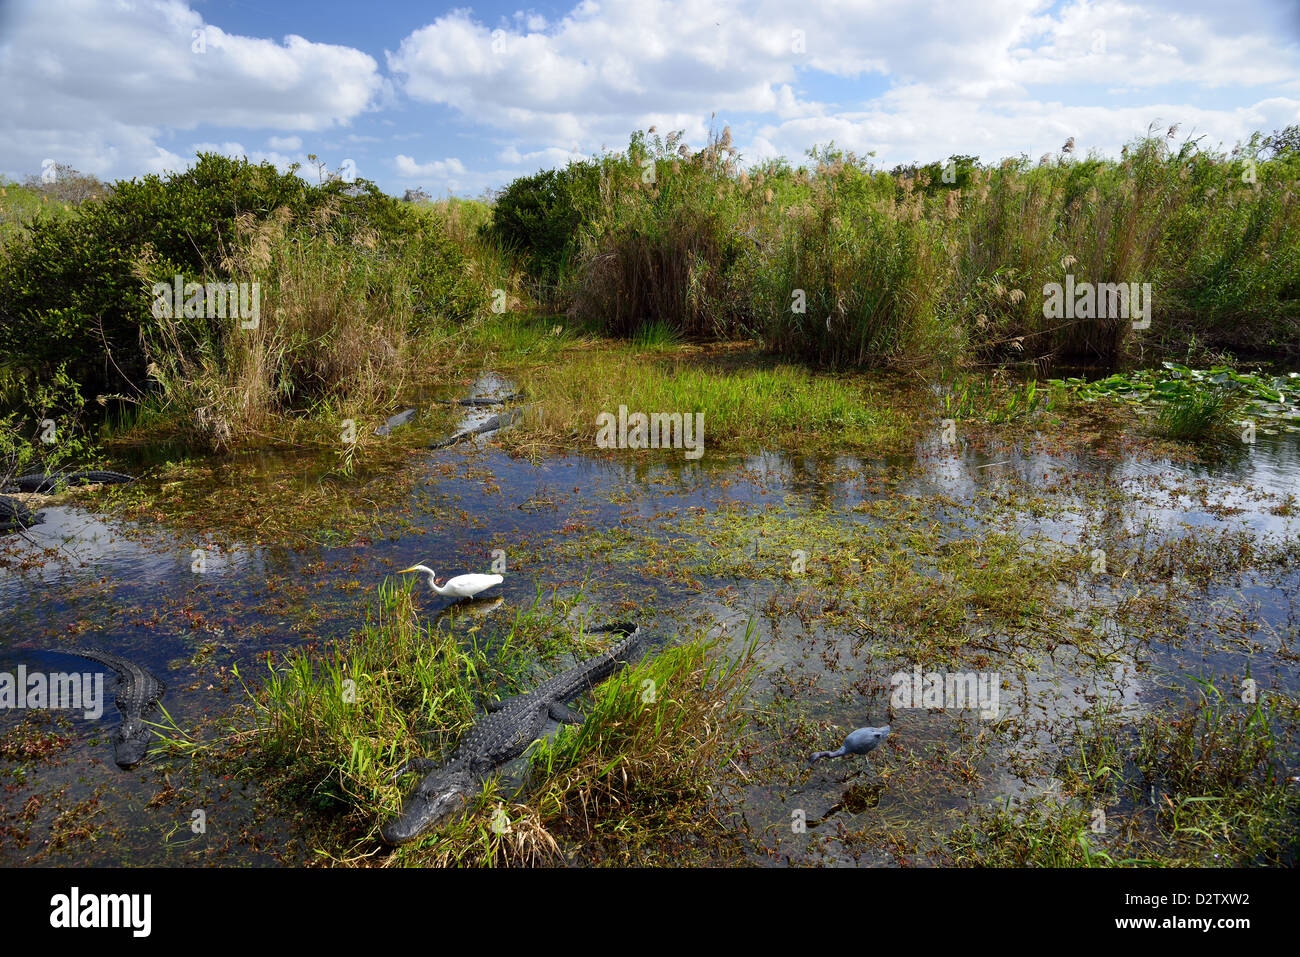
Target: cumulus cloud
column 550, row 157
column 439, row 169
column 108, row 87
column 996, row 77
column 97, row 85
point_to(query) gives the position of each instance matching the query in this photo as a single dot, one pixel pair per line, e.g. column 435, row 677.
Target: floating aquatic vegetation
column 1270, row 397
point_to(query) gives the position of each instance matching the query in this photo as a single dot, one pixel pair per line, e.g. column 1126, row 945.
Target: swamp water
column 849, row 569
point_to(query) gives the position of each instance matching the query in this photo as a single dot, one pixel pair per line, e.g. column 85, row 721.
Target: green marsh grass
column 747, row 405
column 1199, row 415
column 993, row 399
column 331, row 730
column 659, row 734
column 656, row 334
column 1199, row 785
column 856, row 276
column 841, row 264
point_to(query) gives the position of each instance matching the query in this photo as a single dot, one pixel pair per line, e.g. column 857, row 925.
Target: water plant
column 993, row 399
column 1197, row 785
column 1199, row 403
column 1198, row 415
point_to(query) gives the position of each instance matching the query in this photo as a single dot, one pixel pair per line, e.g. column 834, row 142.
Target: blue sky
column 463, row 98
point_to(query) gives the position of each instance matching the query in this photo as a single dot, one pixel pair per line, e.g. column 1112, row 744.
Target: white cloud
column 408, row 168
column 993, row 131
column 96, row 85
column 552, row 156
column 981, row 76
column 107, row 86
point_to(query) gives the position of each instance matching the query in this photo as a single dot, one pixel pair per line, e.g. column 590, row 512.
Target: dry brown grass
column 332, row 335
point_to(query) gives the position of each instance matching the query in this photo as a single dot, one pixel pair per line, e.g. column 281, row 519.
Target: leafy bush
column 40, row 425
column 538, row 217
column 72, row 295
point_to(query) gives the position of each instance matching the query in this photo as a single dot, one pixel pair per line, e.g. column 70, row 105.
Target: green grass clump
column 1034, row 836
column 330, row 731
column 1199, row 786
column 855, row 276
column 342, row 723
column 1197, row 416
column 747, row 405
column 993, row 399
column 656, row 334
column 657, row 736
column 664, row 242
column 1218, row 772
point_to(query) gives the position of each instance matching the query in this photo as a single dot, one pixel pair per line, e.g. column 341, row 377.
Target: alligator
column 138, row 694
column 509, row 728
column 491, row 425
column 45, row 481
column 15, row 516
column 483, row 400
column 396, row 421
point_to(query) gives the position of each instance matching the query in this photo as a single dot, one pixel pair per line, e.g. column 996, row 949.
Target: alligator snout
column 404, row 828
column 432, row 802
column 132, row 744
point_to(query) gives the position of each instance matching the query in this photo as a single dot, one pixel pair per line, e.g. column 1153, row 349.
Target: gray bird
column 861, row 741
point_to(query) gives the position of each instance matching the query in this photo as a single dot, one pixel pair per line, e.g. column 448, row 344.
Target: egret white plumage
column 861, row 741
column 462, row 586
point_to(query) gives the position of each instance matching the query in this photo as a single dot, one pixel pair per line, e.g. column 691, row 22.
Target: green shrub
column 72, row 294
column 40, row 424
column 538, row 217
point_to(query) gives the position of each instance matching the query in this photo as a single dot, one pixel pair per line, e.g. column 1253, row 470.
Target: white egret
column 462, row 586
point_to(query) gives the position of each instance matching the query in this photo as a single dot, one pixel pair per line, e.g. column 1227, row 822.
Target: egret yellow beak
column 405, row 570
